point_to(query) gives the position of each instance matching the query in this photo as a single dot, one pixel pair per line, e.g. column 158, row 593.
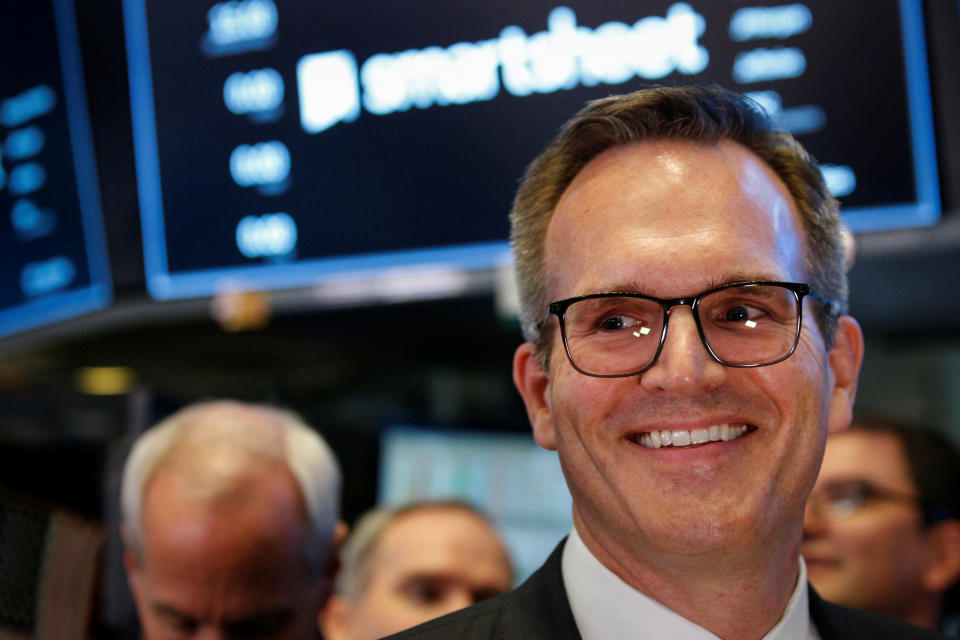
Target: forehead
column 866, row 455
column 668, row 213
column 257, row 532
column 434, row 538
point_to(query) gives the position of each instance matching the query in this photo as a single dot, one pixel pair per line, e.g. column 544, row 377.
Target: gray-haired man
column 230, row 521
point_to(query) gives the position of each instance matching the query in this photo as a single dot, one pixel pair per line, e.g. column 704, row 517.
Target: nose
column 814, row 524
column 210, row 632
column 684, row 365
column 458, row 599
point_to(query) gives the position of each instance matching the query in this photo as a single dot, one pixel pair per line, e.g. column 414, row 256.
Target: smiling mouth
column 658, row 438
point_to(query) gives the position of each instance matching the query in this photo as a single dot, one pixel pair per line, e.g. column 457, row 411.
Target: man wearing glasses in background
column 689, row 449
column 881, row 531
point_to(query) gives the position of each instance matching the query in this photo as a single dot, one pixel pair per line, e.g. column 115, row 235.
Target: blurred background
column 306, row 204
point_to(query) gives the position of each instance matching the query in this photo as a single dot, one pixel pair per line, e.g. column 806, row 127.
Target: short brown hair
column 706, row 115
column 933, row 461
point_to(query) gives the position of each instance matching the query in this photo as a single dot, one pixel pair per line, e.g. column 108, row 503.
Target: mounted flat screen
column 283, row 143
column 53, row 261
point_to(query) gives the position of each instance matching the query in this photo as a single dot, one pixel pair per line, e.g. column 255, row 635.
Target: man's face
column 426, row 564
column 237, row 571
column 670, row 219
column 872, row 557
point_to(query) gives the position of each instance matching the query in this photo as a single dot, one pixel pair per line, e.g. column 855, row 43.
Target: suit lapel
column 540, row 609
column 828, row 626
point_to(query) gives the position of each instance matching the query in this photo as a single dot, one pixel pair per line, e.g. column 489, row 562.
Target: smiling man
column 230, row 521
column 683, row 294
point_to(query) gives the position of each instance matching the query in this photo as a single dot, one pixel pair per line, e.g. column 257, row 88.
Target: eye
column 749, row 306
column 846, row 498
column 738, row 314
column 743, row 313
column 180, row 625
column 423, row 591
column 612, row 317
column 618, row 323
column 485, row 594
column 846, row 505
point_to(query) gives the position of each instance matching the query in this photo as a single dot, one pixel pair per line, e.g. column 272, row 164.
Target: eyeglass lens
column 844, row 498
column 745, row 325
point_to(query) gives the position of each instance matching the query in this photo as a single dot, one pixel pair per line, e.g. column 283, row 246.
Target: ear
column 332, row 566
column 335, row 619
column 130, row 562
column 132, row 566
column 943, row 568
column 533, row 383
column 844, row 361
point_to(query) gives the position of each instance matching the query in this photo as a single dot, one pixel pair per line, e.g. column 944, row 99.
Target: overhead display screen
column 53, row 262
column 281, row 143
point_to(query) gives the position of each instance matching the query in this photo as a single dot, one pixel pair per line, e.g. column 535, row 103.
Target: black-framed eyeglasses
column 841, row 499
column 742, row 324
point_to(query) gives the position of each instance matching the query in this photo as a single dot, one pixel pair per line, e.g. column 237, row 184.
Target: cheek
column 874, row 542
column 576, row 400
column 392, row 605
column 855, row 540
column 799, row 388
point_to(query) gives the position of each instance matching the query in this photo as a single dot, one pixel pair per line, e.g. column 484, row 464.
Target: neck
column 737, row 595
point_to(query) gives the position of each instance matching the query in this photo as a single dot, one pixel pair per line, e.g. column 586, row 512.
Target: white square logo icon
column 329, row 90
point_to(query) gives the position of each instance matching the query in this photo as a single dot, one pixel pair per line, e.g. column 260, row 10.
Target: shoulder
column 835, row 622
column 482, row 620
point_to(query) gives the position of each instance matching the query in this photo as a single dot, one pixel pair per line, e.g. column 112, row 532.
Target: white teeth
column 655, row 439
column 667, row 438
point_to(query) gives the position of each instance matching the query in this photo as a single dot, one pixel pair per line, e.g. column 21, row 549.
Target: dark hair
column 706, row 115
column 933, row 462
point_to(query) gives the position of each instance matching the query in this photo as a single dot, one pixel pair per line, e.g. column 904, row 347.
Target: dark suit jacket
column 538, row 610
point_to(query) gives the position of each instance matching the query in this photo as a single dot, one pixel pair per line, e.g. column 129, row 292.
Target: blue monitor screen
column 53, row 262
column 281, row 143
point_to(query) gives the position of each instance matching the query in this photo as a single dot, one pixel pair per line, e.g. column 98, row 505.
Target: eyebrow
column 712, row 283
column 270, row 616
column 170, row 610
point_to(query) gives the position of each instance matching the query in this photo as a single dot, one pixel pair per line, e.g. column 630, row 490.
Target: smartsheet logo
column 328, row 90
column 334, row 89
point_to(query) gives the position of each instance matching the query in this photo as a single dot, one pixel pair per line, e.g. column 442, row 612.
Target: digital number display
column 53, row 262
column 283, row 142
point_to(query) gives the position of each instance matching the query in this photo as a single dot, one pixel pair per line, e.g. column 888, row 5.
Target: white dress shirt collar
column 607, row 608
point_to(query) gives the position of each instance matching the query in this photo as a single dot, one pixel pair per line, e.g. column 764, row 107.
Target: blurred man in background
column 881, row 531
column 230, row 523
column 405, row 566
